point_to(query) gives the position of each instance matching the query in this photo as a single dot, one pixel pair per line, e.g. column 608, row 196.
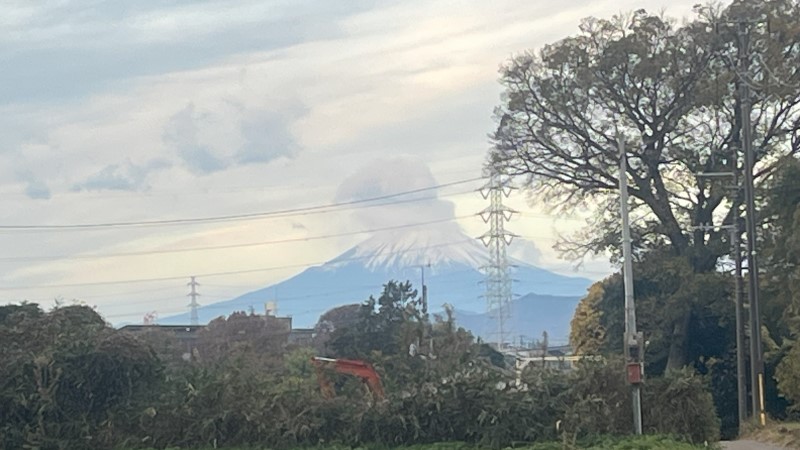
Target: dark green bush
column 101, row 388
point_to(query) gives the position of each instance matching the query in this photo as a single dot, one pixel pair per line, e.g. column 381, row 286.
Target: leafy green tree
column 69, row 380
column 598, row 324
column 782, row 281
column 587, row 330
column 670, row 90
column 781, row 245
column 253, row 340
column 386, row 325
column 340, row 317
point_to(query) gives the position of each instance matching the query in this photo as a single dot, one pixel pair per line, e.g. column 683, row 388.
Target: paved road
column 750, row 445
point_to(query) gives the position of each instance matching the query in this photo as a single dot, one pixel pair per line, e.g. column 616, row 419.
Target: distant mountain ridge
column 452, row 263
column 528, row 317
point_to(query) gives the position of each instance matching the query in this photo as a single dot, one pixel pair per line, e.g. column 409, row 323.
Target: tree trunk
column 678, row 348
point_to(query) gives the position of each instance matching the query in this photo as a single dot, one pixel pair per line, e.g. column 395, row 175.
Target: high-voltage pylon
column 497, row 239
column 193, row 319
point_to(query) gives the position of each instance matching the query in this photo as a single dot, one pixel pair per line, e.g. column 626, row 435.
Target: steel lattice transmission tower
column 497, row 239
column 193, row 319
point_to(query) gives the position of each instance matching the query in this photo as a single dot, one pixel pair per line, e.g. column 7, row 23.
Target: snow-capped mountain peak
column 440, row 246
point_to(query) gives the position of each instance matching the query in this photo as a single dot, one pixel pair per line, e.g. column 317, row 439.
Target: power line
column 225, row 218
column 193, row 191
column 232, row 272
column 225, row 306
column 230, row 246
column 276, row 216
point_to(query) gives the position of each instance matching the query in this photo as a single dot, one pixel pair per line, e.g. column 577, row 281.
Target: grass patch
column 600, row 443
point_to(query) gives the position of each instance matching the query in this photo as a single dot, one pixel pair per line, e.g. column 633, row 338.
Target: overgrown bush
column 679, row 403
column 67, row 378
column 788, row 376
column 80, row 384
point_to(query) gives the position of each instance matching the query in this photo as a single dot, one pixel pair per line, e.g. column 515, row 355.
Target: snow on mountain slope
column 441, row 245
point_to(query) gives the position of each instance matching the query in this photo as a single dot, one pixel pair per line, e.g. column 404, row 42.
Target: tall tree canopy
column 671, row 92
column 782, row 263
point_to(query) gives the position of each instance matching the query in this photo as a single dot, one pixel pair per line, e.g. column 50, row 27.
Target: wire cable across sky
column 225, row 273
column 256, row 215
column 231, row 246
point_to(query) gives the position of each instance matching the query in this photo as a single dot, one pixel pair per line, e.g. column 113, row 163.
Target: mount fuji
column 452, row 264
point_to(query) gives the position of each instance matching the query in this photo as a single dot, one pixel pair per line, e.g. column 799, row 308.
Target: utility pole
column 741, row 375
column 426, row 330
column 756, row 359
column 736, row 254
column 424, row 291
column 633, row 340
column 193, row 319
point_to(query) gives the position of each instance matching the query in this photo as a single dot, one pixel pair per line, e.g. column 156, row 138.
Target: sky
column 160, row 110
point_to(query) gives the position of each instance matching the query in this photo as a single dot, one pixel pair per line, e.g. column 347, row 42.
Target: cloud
column 525, row 251
column 181, row 132
column 266, row 137
column 37, row 190
column 203, row 141
column 389, row 176
column 386, row 176
column 121, row 177
column 35, row 187
column 55, row 52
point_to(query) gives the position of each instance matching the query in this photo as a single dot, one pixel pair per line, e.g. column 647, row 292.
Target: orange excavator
column 359, row 369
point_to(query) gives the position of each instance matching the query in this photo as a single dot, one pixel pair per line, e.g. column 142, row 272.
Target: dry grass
column 786, row 434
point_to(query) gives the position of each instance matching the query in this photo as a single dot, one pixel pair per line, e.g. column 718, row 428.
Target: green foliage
column 599, row 402
column 781, row 288
column 667, row 88
column 386, row 325
column 680, row 403
column 599, row 443
column 788, row 376
column 587, row 333
column 102, row 388
column 689, row 322
column 67, row 378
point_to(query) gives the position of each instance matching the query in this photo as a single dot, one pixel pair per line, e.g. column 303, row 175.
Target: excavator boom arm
column 359, row 369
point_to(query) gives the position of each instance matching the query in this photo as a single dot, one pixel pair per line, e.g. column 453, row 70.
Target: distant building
column 185, row 334
column 188, row 335
column 180, row 331
column 557, row 357
column 302, row 337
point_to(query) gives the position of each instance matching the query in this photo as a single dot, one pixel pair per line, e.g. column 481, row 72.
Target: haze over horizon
column 156, row 111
